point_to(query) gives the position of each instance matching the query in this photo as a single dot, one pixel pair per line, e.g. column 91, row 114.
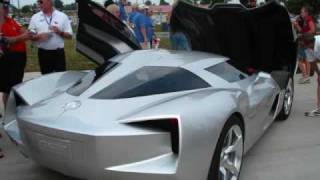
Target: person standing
column 138, row 21
column 306, row 28
column 114, row 10
column 252, row 4
column 13, row 60
column 149, row 25
column 50, row 28
column 123, row 13
column 13, row 57
column 314, row 65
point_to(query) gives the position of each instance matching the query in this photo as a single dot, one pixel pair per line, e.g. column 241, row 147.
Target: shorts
column 301, row 54
column 11, row 70
column 310, row 55
column 306, row 54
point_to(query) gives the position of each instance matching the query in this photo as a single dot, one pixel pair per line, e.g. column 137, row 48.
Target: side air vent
column 274, row 105
column 169, row 125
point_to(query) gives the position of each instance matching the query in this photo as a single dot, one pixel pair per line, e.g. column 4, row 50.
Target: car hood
column 260, row 38
column 100, row 35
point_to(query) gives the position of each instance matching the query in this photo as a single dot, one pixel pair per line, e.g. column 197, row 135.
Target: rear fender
column 35, row 90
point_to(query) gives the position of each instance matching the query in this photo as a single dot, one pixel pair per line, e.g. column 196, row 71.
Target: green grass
column 74, row 60
column 164, row 43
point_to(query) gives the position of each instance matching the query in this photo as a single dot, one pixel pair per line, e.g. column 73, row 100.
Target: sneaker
column 313, row 113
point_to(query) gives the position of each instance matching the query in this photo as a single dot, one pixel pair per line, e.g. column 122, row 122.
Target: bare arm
column 24, row 36
column 56, row 30
column 312, row 28
column 65, row 35
column 144, row 34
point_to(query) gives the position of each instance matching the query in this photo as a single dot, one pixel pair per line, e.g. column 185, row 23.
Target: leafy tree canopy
column 294, row 6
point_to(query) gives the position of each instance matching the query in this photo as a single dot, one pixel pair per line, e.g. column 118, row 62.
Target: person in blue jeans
column 123, row 13
column 179, row 41
column 149, row 26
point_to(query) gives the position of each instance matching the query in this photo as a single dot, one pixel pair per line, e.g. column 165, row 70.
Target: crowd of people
column 139, row 20
column 306, row 55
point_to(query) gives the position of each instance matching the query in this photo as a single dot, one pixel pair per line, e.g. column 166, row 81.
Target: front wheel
column 287, row 101
column 228, row 156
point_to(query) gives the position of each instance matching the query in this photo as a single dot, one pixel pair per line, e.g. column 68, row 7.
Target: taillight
column 170, row 125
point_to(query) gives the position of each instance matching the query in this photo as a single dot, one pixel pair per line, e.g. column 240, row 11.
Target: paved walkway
column 289, row 150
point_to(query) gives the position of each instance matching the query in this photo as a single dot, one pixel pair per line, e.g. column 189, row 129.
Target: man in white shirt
column 49, row 28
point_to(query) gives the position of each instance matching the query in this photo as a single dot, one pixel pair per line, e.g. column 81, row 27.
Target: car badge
column 72, row 105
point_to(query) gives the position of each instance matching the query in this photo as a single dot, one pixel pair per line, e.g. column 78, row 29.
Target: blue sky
column 25, row 2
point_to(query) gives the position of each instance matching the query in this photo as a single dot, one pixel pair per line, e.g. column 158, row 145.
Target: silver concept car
column 160, row 114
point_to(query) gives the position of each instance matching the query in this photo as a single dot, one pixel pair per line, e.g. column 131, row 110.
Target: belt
column 58, row 49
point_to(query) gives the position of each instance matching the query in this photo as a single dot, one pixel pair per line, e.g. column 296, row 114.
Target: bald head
column 46, row 6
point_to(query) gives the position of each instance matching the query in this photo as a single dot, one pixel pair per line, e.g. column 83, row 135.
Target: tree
column 163, row 2
column 26, row 9
column 58, row 4
column 72, row 6
column 294, row 6
column 211, row 1
column 148, row 3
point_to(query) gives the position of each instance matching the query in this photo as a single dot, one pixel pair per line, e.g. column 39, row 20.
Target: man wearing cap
column 50, row 28
column 13, row 57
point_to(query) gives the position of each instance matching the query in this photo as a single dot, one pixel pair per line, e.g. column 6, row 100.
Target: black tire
column 284, row 114
column 213, row 173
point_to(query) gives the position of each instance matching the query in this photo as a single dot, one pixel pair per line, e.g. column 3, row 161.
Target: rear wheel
column 227, row 159
column 287, row 101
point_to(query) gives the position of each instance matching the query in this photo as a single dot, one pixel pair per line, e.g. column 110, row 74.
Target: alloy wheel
column 231, row 154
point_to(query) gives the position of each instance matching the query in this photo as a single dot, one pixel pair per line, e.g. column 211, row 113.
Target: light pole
column 18, row 8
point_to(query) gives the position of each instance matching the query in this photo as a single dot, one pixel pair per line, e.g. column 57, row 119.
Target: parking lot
column 289, row 150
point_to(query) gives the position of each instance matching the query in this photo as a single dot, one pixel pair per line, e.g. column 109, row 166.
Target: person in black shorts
column 13, row 59
column 12, row 52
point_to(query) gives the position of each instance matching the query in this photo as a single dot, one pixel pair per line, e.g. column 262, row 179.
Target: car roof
column 161, row 57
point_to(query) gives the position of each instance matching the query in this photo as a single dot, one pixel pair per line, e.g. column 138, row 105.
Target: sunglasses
column 40, row 2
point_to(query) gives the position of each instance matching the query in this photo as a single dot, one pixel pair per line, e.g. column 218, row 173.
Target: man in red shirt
column 306, row 30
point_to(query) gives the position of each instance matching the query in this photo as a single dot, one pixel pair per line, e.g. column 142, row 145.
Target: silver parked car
column 160, row 114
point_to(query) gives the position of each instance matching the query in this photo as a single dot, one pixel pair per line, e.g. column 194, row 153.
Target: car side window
column 227, row 72
column 152, row 80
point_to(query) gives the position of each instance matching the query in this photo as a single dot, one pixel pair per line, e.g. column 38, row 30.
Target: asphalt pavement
column 289, row 150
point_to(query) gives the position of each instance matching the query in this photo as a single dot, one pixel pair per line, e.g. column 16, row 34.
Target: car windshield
column 227, row 72
column 151, row 80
